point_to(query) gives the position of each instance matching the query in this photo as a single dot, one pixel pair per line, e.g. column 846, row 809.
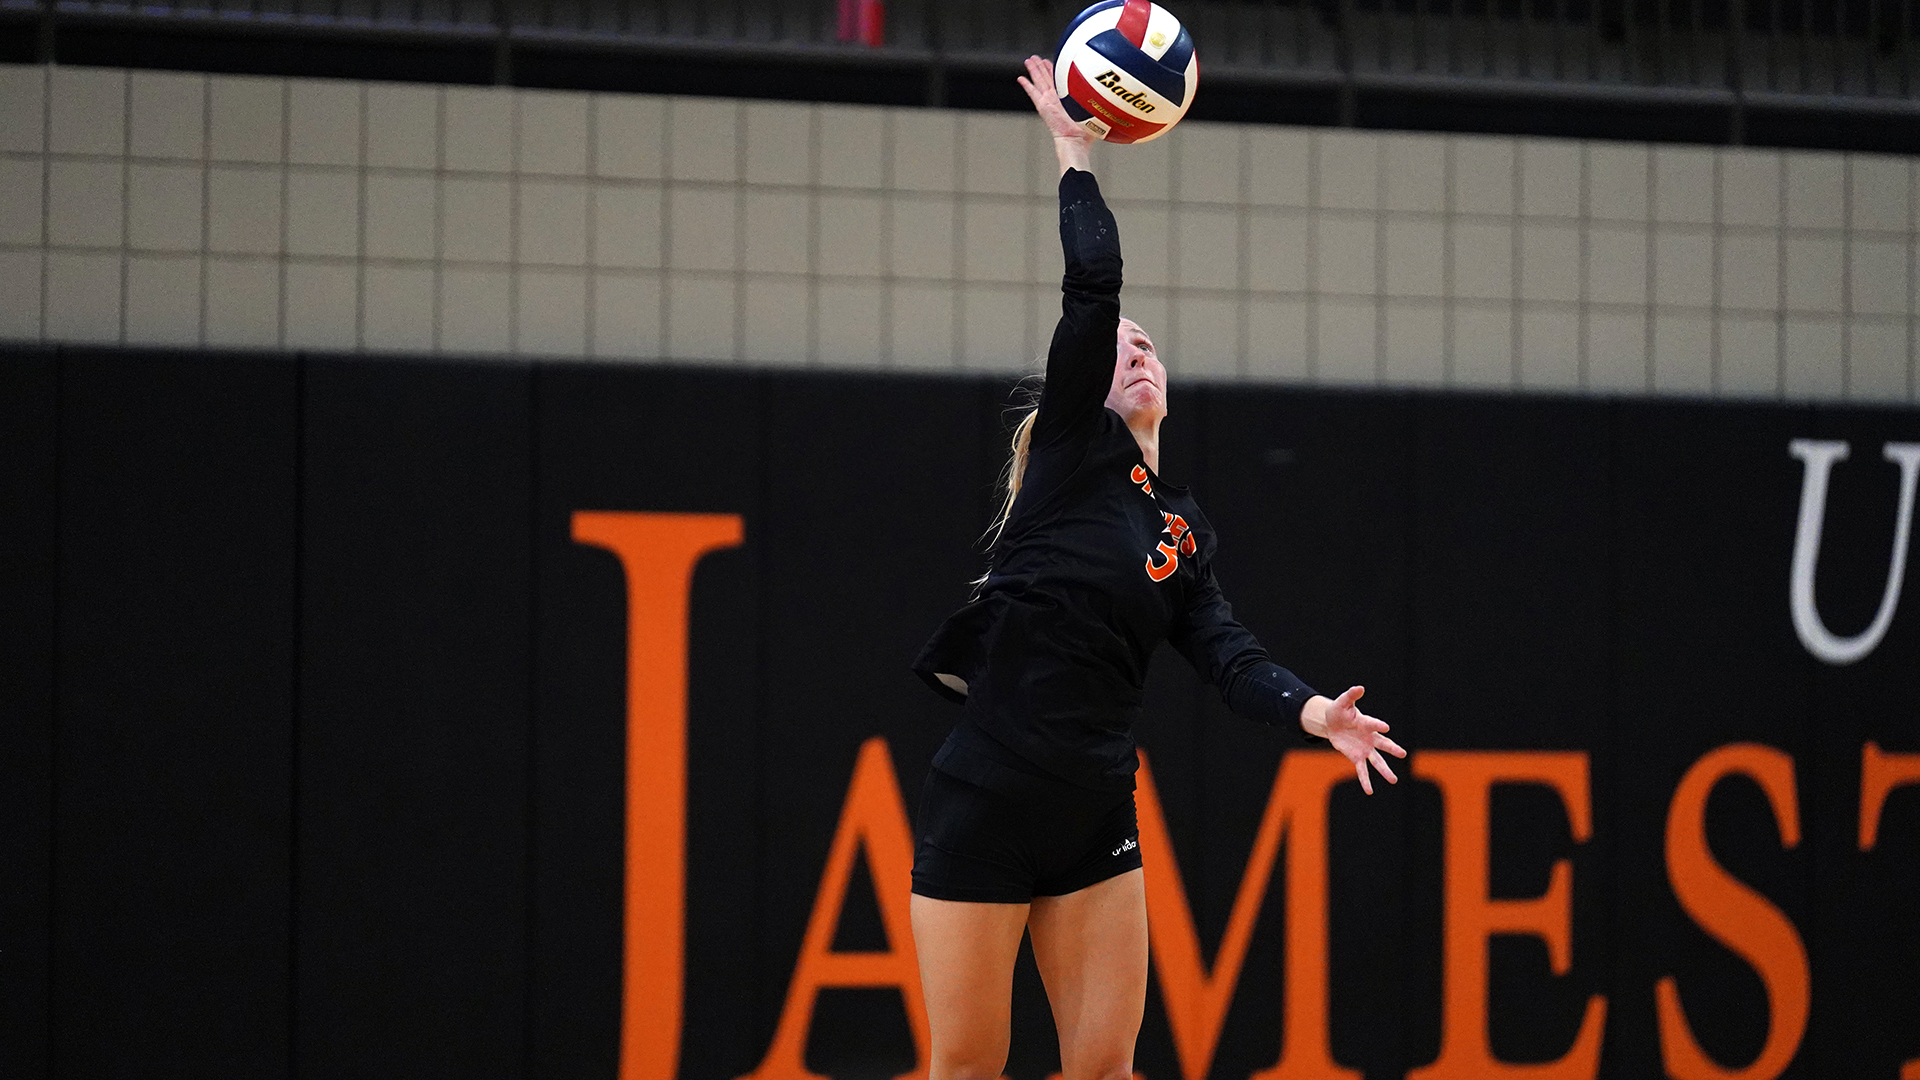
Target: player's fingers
column 1352, row 695
column 1380, row 765
column 1389, row 746
column 1366, row 784
column 1373, row 723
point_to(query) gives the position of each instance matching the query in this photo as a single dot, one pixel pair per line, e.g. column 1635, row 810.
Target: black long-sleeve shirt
column 1100, row 561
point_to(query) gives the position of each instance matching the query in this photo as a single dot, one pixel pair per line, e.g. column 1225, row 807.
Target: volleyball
column 1125, row 70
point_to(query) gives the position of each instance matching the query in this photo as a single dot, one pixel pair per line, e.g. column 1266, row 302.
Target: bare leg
column 966, row 971
column 1091, row 947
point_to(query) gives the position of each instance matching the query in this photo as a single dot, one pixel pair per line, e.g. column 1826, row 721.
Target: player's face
column 1139, row 381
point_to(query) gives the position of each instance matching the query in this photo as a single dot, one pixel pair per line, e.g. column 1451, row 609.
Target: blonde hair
column 1015, row 473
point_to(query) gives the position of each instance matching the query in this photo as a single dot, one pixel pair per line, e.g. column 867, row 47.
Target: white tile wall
column 1211, row 161
column 1416, row 344
column 1814, row 359
column 774, row 320
column 246, row 119
column 1880, row 193
column 1749, row 356
column 476, row 311
column 87, row 111
column 1482, row 346
column 1750, row 271
column 400, row 215
column 920, row 241
column 553, row 222
column 21, row 275
column 1207, row 242
column 1617, row 352
column 243, row 303
column 627, row 221
column 1347, row 341
column 779, row 143
column 23, row 121
column 1550, row 349
column 165, row 207
column 1683, row 186
column 1278, row 164
column 1415, row 169
column 1750, row 188
column 993, row 325
column 852, row 147
column 21, row 212
column 920, row 326
column 1683, row 354
column 1877, row 360
column 1550, row 178
column 627, row 313
column 700, row 318
column 163, row 299
column 401, row 123
column 243, row 210
column 700, row 223
column 1482, row 260
column 84, row 203
column 323, row 305
column 630, row 137
column 169, row 118
column 550, row 313
column 397, row 302
column 82, row 297
column 1815, row 190
column 478, row 129
column 321, row 214
column 1617, row 181
column 552, row 132
column 1206, row 339
column 477, row 218
column 1550, row 261
column 324, row 121
column 1683, row 268
column 849, row 322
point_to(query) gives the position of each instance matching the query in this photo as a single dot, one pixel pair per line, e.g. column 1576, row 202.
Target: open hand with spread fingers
column 1359, row 737
column 1071, row 142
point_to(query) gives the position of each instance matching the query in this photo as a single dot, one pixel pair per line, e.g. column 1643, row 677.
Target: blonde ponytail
column 1016, row 473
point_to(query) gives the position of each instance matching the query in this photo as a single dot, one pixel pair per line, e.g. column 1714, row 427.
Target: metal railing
column 1860, row 50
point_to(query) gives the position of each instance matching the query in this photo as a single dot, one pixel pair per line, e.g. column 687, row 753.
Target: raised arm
column 1227, row 655
column 1080, row 359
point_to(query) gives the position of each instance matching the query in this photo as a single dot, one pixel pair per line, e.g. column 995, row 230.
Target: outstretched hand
column 1071, row 142
column 1359, row 737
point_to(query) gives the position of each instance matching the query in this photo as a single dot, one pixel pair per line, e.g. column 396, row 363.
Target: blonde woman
column 1027, row 821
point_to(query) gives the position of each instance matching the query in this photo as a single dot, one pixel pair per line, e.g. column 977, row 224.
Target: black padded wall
column 313, row 762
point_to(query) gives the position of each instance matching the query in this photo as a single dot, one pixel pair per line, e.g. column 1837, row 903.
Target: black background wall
column 314, row 713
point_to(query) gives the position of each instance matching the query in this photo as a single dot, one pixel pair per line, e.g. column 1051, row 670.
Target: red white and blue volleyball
column 1126, row 71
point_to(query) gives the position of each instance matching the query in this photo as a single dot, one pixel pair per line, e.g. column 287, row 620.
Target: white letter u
column 1819, row 455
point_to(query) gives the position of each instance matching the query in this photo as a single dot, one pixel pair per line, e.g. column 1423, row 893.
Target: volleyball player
column 1027, row 822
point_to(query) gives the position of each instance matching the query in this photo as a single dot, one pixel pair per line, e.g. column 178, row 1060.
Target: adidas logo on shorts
column 1128, row 845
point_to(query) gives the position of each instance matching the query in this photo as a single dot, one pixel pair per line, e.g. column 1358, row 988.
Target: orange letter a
column 658, row 553
column 874, row 817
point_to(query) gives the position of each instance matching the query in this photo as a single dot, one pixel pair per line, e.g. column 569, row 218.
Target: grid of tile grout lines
column 157, row 208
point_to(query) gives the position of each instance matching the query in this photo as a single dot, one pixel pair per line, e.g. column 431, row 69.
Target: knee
column 968, row 1063
column 1116, row 1069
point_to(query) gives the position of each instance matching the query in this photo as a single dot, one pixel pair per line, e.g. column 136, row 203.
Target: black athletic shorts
column 984, row 846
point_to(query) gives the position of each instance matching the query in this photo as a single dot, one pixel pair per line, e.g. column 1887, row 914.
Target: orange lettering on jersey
column 1177, row 528
column 1139, row 474
column 1165, row 570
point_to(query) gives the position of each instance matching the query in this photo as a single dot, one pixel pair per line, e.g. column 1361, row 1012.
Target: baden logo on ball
column 1125, row 70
